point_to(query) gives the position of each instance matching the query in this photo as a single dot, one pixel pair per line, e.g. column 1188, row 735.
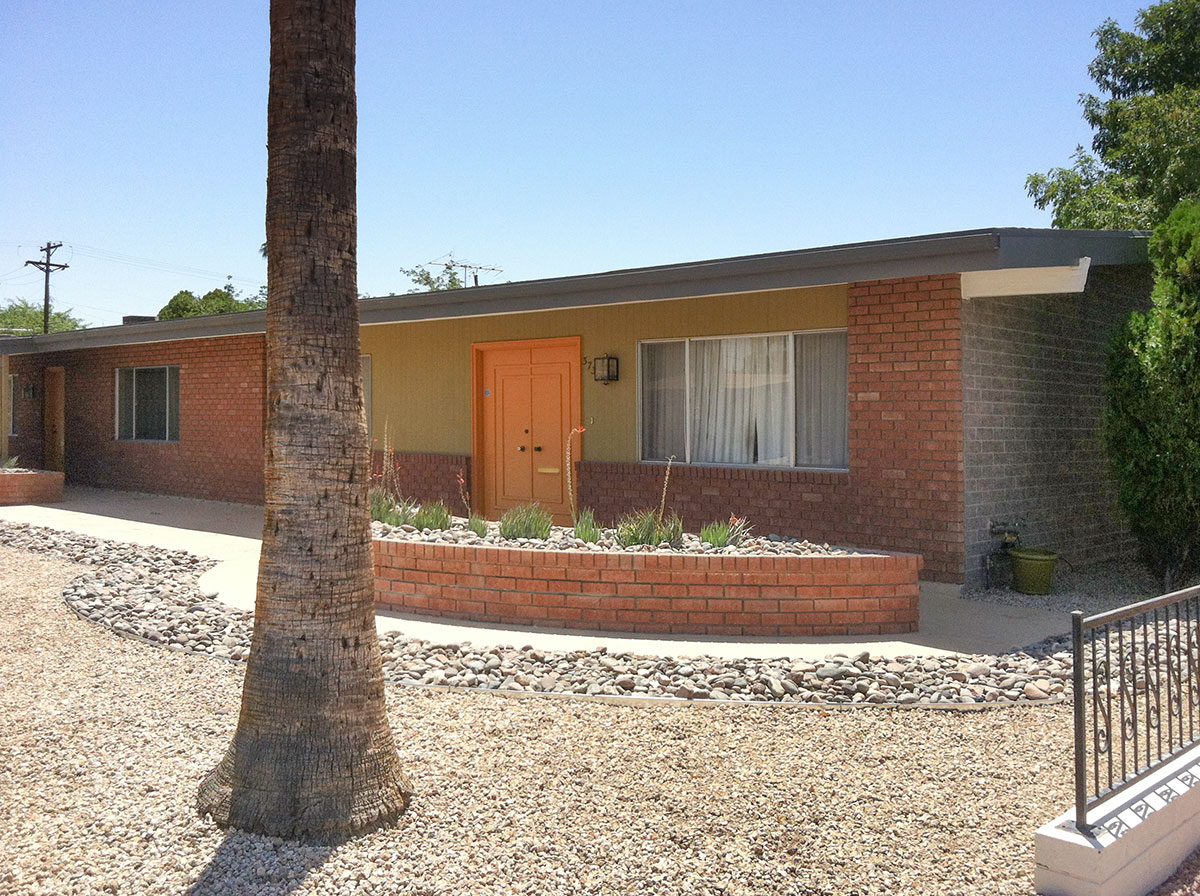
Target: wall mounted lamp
column 606, row 369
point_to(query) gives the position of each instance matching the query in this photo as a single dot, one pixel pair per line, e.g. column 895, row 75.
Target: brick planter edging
column 31, row 487
column 644, row 592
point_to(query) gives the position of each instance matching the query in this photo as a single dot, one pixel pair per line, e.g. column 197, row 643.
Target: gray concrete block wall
column 1033, row 369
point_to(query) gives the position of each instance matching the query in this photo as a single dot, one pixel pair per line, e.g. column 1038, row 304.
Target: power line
column 47, row 267
column 153, row 264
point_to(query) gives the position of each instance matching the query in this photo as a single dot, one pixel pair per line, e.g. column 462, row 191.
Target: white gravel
column 103, row 741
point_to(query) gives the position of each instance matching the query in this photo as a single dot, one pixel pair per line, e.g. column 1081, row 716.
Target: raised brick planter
column 644, row 592
column 31, row 487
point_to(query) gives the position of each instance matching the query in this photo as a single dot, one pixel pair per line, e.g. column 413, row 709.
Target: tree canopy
column 427, row 282
column 1145, row 154
column 23, row 318
column 222, row 300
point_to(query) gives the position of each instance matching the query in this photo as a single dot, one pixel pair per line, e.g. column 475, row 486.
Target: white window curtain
column 822, row 419
column 664, row 400
column 740, row 401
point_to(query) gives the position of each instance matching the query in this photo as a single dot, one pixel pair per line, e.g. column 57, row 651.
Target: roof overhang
column 992, row 259
column 1026, row 281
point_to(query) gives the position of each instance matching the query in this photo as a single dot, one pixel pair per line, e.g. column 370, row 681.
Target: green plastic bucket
column 1032, row 569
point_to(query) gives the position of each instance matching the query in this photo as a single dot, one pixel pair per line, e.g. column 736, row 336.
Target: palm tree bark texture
column 313, row 757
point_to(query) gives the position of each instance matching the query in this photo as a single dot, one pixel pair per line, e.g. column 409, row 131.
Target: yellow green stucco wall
column 421, row 372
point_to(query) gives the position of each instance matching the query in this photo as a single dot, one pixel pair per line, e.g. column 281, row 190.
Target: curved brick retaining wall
column 648, row 592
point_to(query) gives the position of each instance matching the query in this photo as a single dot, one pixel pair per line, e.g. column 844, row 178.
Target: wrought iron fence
column 1136, row 687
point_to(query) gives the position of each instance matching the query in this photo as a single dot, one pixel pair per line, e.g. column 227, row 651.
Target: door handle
column 522, row 448
column 537, row 447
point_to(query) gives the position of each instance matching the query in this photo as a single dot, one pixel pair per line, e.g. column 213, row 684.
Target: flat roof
column 987, row 249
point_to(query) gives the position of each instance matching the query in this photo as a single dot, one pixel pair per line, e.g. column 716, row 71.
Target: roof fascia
column 929, row 255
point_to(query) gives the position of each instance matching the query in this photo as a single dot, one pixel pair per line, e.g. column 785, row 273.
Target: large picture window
column 148, row 403
column 777, row 400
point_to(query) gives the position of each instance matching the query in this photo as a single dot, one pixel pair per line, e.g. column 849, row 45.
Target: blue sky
column 543, row 138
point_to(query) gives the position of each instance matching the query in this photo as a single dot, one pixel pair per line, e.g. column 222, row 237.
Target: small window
column 148, row 404
column 12, row 404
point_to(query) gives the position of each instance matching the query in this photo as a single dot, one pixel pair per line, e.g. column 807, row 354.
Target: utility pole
column 47, row 267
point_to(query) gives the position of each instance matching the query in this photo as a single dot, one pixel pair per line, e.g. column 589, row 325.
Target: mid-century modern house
column 895, row 395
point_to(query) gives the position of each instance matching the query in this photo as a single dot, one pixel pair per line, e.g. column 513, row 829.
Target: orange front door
column 527, row 401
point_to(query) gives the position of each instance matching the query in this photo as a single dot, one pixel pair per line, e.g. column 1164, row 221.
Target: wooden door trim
column 54, row 398
column 478, row 350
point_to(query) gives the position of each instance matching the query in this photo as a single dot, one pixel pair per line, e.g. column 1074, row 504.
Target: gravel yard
column 103, row 741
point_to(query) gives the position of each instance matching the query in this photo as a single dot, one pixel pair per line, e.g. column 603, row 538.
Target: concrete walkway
column 230, row 534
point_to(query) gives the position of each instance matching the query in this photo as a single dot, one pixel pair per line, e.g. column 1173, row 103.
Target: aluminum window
column 148, row 404
column 773, row 400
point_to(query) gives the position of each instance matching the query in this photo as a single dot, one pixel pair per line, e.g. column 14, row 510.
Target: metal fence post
column 1080, row 711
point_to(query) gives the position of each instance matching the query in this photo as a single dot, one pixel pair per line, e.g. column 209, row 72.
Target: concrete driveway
column 230, row 534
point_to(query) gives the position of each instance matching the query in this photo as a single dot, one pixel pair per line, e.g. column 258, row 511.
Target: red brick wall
column 645, row 592
column 41, row 487
column 425, row 477
column 219, row 454
column 904, row 489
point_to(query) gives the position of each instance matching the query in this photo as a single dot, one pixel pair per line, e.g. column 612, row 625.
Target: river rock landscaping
column 563, row 539
column 151, row 594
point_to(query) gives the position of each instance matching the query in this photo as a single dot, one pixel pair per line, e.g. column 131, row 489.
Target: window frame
column 166, row 409
column 687, row 378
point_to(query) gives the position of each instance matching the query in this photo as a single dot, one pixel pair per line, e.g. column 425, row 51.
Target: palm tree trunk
column 313, row 756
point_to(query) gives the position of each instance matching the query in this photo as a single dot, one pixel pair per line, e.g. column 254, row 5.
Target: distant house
column 898, row 394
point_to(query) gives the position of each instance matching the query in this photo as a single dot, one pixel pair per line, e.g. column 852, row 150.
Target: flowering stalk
column 662, row 504
column 462, row 493
column 571, row 474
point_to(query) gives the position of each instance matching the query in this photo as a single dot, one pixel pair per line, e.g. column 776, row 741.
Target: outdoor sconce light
column 606, row 369
column 29, row 391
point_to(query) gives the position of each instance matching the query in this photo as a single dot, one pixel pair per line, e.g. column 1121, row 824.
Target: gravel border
column 151, row 594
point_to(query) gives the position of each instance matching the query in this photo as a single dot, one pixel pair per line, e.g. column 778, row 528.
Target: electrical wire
column 154, row 265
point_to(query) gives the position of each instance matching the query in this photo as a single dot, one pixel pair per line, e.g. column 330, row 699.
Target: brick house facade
column 973, row 394
column 219, row 454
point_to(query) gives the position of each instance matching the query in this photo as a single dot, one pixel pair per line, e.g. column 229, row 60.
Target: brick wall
column 219, row 454
column 650, row 592
column 904, row 489
column 39, row 487
column 1033, row 381
column 425, row 477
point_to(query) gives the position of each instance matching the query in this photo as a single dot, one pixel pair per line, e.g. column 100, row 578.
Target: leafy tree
column 222, row 300
column 313, row 756
column 1147, row 140
column 21, row 318
column 1152, row 423
column 427, row 282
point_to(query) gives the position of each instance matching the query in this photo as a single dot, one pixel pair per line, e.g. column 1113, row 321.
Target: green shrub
column 645, row 527
column 715, row 533
column 670, row 530
column 386, row 509
column 640, row 527
column 432, row 516
column 526, row 521
column 1152, row 384
column 478, row 525
column 585, row 526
